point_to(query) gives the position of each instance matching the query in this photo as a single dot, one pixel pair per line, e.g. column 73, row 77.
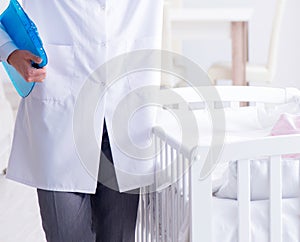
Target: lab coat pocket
column 60, row 74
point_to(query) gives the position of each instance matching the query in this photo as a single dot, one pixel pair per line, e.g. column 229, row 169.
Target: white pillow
column 259, row 180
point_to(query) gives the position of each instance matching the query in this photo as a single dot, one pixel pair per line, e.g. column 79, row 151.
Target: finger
column 39, row 78
column 33, row 72
column 34, row 58
column 38, row 72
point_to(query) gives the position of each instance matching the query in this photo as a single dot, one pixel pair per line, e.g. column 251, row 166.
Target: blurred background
column 208, row 51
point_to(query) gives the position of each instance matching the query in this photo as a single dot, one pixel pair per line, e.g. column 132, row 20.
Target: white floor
column 19, row 213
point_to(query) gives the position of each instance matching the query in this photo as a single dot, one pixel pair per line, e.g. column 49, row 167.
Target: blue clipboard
column 24, row 34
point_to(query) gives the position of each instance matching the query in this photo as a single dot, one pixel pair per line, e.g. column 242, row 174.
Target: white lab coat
column 78, row 37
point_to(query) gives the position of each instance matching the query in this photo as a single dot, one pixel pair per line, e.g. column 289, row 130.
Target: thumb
column 35, row 59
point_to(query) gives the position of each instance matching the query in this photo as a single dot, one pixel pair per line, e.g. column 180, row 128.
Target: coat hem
column 57, row 189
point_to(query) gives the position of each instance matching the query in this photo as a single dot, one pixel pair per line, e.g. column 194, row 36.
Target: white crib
column 181, row 207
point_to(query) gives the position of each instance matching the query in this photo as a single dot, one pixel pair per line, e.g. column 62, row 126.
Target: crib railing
column 181, row 208
column 178, row 206
column 163, row 207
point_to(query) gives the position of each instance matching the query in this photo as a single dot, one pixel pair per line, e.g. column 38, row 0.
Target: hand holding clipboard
column 24, row 34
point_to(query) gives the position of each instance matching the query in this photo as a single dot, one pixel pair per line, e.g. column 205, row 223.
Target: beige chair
column 256, row 73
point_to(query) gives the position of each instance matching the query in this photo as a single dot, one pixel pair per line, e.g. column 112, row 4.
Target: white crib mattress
column 225, row 223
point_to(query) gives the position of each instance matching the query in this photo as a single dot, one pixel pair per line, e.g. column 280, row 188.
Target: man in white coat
column 79, row 36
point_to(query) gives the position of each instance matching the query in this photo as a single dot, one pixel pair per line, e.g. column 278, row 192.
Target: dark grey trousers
column 107, row 216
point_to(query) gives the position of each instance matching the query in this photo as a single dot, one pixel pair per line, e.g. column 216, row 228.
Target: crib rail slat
column 151, row 208
column 200, row 205
column 147, row 200
column 143, row 217
column 156, row 201
column 244, row 200
column 138, row 230
column 275, row 199
column 173, row 189
column 168, row 177
column 177, row 196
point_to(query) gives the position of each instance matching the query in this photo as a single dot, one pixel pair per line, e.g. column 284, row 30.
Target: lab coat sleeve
column 7, row 46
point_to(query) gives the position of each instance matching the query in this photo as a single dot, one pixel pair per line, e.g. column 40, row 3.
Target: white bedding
column 225, row 224
column 225, row 185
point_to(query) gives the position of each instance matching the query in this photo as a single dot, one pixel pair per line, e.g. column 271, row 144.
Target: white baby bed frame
column 161, row 218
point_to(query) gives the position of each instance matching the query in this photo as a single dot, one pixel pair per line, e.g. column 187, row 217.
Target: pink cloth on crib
column 287, row 124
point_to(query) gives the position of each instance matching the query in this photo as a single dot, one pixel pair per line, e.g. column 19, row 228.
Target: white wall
column 289, row 50
column 205, row 52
